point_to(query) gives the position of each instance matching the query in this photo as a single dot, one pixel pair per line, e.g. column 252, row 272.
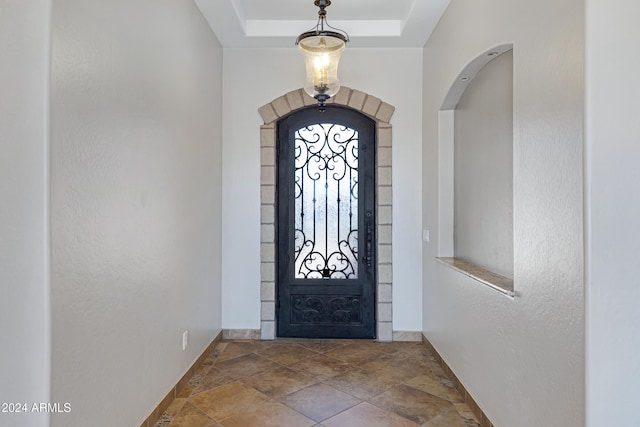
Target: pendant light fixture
column 321, row 49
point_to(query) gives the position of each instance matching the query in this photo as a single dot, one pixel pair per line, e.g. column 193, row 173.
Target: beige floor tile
column 235, row 349
column 279, row 382
column 398, row 369
column 363, row 384
column 319, row 383
column 321, row 346
column 319, row 401
column 447, row 418
column 321, row 367
column 189, row 409
column 192, row 421
column 411, row 403
column 213, row 379
column 437, row 386
column 286, row 354
column 175, row 407
column 466, row 414
column 244, row 366
column 355, row 353
column 366, row 414
column 227, row 400
column 268, row 414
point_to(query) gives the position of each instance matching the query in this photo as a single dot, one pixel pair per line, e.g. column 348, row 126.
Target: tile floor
column 300, row 383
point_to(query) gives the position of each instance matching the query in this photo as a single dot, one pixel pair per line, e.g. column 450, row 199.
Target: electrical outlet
column 425, row 236
column 185, row 340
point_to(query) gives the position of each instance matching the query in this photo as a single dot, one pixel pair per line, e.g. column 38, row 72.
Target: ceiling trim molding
column 238, row 28
column 291, row 28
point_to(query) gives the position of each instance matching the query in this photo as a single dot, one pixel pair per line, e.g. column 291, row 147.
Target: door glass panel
column 326, row 202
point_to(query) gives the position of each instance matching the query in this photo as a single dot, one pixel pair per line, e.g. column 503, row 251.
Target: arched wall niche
column 469, row 72
column 496, row 277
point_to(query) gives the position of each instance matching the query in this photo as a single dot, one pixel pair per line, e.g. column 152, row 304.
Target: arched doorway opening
column 380, row 112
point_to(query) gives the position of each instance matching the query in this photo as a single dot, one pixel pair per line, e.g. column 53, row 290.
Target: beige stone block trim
column 267, row 233
column 267, row 195
column 379, row 111
column 267, row 291
column 385, row 196
column 385, row 254
column 384, row 175
column 267, row 113
column 385, row 331
column 385, row 313
column 357, row 100
column 371, row 105
column 343, row 95
column 385, row 112
column 384, row 156
column 295, row 99
column 367, row 104
column 267, row 213
column 281, row 106
column 241, row 334
column 267, row 330
column 268, row 175
column 413, row 336
column 384, row 292
column 267, row 252
column 268, row 310
column 308, row 100
column 384, row 136
column 268, row 156
column 267, row 137
column 385, row 216
column 267, row 273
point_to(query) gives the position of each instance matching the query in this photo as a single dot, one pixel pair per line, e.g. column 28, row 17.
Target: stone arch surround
column 379, row 111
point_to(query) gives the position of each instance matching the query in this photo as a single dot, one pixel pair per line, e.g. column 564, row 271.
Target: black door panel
column 326, row 224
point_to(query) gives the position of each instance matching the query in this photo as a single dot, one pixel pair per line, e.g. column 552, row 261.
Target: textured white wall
column 483, row 183
column 136, row 102
column 24, row 276
column 522, row 359
column 254, row 77
column 613, row 212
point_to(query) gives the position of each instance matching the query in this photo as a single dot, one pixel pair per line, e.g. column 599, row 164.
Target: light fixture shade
column 321, row 56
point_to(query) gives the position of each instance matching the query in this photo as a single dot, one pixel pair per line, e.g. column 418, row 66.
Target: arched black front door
column 326, row 241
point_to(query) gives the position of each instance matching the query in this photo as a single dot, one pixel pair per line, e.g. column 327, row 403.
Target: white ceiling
column 277, row 23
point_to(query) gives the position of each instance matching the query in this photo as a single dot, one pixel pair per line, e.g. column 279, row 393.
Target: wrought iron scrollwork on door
column 326, row 309
column 326, row 202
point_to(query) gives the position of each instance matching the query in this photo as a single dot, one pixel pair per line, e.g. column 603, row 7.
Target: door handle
column 368, row 223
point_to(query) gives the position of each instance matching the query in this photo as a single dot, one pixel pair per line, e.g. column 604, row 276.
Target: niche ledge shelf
column 495, row 281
